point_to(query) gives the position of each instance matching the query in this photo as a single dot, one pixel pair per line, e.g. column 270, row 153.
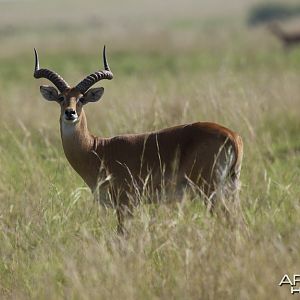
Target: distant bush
column 272, row 11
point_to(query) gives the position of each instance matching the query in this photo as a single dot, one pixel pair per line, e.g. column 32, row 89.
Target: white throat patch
column 67, row 129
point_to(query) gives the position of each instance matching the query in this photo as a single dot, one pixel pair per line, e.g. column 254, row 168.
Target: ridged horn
column 91, row 79
column 56, row 79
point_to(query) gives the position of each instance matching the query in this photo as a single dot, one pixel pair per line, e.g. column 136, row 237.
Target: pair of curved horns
column 62, row 85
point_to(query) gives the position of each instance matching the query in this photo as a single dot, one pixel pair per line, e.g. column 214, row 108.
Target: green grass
column 57, row 243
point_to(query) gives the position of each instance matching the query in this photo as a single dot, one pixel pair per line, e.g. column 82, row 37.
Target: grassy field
column 172, row 65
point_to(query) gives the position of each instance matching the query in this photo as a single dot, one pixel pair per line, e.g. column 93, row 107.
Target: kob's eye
column 61, row 98
column 81, row 99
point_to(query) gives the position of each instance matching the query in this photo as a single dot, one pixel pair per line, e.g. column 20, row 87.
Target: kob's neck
column 78, row 146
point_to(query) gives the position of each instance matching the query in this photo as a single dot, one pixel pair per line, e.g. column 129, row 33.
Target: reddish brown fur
column 197, row 148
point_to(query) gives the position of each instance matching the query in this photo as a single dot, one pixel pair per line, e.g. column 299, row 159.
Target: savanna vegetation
column 174, row 62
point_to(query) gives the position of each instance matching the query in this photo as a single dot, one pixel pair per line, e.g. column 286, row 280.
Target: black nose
column 70, row 113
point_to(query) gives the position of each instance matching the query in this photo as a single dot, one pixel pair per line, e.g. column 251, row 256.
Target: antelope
column 288, row 39
column 206, row 156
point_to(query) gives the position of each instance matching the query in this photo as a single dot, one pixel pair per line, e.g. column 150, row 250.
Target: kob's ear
column 93, row 95
column 50, row 93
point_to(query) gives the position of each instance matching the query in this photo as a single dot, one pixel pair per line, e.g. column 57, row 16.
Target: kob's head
column 71, row 100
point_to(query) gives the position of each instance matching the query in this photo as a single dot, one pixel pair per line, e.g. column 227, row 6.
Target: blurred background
column 59, row 25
